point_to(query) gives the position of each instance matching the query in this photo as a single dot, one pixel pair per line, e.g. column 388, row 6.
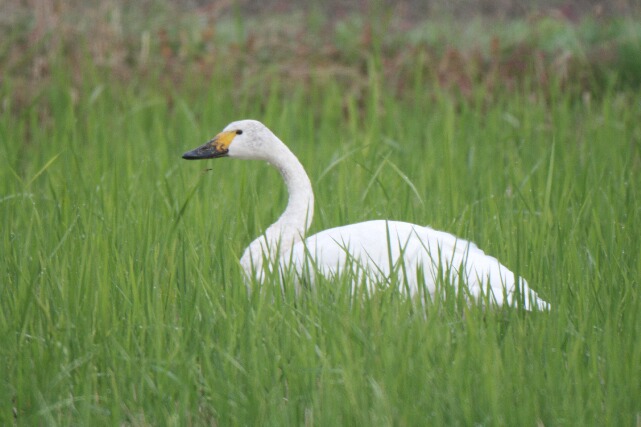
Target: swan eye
column 239, row 132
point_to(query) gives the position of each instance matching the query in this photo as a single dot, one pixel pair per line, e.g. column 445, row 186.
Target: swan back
column 417, row 259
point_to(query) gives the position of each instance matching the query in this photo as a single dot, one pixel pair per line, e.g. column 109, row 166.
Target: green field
column 121, row 295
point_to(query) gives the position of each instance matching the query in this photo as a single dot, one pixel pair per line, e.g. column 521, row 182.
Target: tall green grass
column 121, row 296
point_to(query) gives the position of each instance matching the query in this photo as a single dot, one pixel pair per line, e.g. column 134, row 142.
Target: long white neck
column 292, row 225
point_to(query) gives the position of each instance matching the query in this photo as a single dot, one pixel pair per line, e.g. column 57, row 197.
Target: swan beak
column 218, row 146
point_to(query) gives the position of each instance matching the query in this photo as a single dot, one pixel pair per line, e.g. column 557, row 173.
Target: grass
column 121, row 295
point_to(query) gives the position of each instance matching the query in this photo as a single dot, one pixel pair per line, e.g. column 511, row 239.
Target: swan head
column 244, row 139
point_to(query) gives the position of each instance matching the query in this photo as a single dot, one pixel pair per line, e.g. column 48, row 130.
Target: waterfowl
column 375, row 252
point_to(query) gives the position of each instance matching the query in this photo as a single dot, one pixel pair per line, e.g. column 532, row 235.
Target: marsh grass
column 121, row 295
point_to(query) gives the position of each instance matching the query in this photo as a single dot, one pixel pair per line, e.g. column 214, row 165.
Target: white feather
column 376, row 252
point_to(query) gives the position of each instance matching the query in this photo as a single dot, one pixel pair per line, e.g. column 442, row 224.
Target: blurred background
column 584, row 46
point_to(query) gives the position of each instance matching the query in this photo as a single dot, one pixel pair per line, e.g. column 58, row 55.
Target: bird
column 417, row 259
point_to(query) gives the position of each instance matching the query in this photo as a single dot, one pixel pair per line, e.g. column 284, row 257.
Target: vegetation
column 121, row 297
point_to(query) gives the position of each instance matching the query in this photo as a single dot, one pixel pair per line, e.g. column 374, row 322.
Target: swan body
column 379, row 252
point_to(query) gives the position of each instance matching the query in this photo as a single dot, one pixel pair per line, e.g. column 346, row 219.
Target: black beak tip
column 205, row 152
column 192, row 155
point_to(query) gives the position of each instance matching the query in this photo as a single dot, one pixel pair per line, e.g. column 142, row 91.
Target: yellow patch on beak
column 218, row 146
column 222, row 141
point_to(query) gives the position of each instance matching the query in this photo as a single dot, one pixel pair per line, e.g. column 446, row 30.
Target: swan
column 377, row 252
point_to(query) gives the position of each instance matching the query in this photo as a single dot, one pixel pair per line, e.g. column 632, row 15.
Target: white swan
column 377, row 252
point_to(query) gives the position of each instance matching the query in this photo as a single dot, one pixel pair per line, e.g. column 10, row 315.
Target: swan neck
column 291, row 227
column 298, row 214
